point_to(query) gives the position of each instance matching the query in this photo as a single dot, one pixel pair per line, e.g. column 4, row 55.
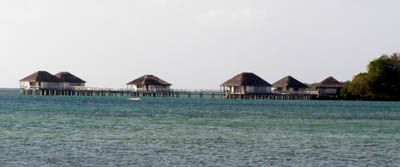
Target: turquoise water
column 113, row 131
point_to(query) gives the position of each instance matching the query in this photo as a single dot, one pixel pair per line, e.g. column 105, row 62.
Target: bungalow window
column 34, row 83
column 296, row 89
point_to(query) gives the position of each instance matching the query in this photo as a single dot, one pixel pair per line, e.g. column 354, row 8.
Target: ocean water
column 113, row 131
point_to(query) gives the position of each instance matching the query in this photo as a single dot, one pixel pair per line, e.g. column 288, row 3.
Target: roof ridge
column 242, row 78
column 289, row 81
column 41, row 76
column 246, row 79
column 145, row 79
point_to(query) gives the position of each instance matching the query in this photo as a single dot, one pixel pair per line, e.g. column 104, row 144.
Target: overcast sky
column 194, row 43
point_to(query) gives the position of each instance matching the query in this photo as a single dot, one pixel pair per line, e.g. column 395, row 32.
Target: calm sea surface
column 113, row 131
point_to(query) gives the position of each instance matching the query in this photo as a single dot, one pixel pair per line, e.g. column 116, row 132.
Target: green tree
column 383, row 77
column 359, row 87
column 345, row 92
column 381, row 82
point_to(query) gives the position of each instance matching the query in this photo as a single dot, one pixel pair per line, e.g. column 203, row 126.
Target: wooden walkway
column 272, row 96
column 90, row 91
column 199, row 93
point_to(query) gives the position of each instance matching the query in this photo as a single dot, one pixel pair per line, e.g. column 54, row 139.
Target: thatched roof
column 68, row 77
column 330, row 82
column 290, row 82
column 246, row 79
column 149, row 80
column 41, row 76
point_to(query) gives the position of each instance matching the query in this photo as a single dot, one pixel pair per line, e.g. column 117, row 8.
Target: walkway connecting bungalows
column 245, row 85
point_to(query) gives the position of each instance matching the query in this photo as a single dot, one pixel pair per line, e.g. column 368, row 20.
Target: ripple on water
column 113, row 131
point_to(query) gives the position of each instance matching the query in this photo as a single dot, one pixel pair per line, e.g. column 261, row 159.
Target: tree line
column 380, row 82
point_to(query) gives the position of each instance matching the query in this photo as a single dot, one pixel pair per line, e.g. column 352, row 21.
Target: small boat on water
column 134, row 98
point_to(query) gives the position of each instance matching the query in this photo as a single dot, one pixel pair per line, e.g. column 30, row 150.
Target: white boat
column 134, row 98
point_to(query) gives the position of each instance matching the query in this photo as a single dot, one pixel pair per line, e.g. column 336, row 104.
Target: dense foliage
column 381, row 82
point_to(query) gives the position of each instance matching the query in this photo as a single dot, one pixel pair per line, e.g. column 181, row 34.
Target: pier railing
column 83, row 88
column 307, row 92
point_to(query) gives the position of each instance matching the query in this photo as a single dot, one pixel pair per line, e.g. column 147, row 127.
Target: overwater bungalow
column 289, row 85
column 245, row 85
column 329, row 87
column 70, row 80
column 149, row 83
column 41, row 80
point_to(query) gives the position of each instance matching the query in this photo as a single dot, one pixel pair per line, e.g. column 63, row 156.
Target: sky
column 194, row 44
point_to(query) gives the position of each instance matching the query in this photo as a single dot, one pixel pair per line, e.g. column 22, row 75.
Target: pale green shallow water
column 113, row 131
